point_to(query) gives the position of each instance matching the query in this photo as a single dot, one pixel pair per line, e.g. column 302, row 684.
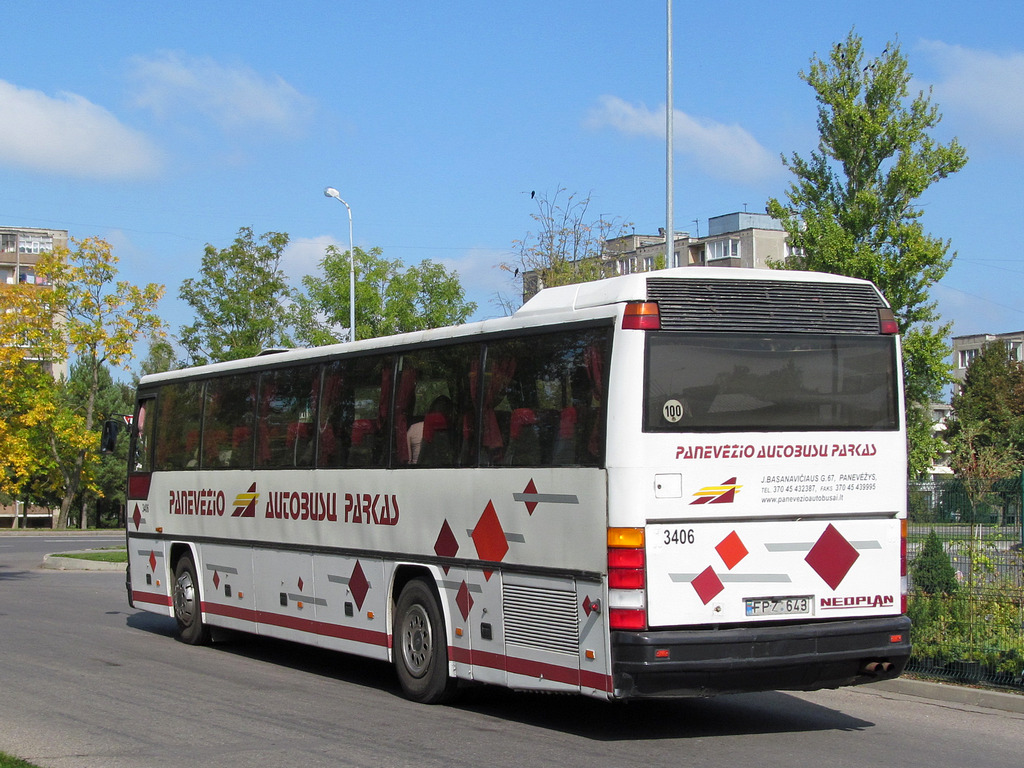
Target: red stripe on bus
column 527, row 668
column 370, row 637
column 149, row 597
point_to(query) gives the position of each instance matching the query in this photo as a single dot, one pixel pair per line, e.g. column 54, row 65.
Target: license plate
column 778, row 606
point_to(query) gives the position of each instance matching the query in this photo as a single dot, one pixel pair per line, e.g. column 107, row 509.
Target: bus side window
column 142, row 435
column 353, row 411
column 435, row 410
column 542, row 400
column 176, row 433
column 228, row 436
column 286, row 417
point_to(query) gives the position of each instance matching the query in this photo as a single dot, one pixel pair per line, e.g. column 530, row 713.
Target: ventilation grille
column 542, row 619
column 765, row 305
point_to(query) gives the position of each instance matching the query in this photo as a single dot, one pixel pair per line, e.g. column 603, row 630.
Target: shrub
column 931, row 570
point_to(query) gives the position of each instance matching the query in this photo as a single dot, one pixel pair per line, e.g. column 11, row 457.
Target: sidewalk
column 62, row 563
column 953, row 694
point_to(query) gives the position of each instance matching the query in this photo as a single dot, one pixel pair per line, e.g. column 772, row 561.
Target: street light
column 332, row 192
column 670, row 231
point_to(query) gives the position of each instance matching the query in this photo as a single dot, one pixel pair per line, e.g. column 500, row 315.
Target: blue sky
column 164, row 127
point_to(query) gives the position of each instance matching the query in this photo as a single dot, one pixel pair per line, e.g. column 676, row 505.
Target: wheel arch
column 402, row 575
column 175, row 552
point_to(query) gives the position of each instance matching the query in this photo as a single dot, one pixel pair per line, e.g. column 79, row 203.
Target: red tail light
column 627, row 618
column 138, row 485
column 641, row 316
column 627, row 579
column 887, row 324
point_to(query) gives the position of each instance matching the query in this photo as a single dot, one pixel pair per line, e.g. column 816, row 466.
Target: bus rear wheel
column 187, row 608
column 421, row 645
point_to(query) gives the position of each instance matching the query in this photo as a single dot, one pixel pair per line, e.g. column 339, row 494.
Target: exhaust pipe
column 876, row 668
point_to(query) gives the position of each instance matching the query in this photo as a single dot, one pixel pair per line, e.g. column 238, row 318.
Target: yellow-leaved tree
column 79, row 311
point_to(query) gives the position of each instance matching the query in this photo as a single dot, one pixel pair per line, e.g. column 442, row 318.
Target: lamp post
column 670, row 234
column 332, row 192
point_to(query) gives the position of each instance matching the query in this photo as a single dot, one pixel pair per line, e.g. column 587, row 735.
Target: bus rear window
column 726, row 382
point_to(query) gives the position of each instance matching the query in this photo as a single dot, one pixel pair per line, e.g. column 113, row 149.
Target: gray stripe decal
column 549, row 498
column 806, row 547
column 736, row 578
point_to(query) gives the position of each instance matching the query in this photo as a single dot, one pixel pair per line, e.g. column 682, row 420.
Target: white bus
column 682, row 483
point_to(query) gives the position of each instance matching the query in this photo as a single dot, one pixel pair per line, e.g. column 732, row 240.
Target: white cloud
column 234, row 98
column 724, row 151
column 303, row 255
column 68, row 134
column 981, row 92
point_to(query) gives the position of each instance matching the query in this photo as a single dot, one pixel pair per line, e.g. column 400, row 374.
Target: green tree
column 28, row 410
column 241, row 300
column 390, row 298
column 86, row 314
column 567, row 247
column 979, row 462
column 105, row 488
column 932, row 570
column 992, row 399
column 102, row 319
column 160, row 357
column 852, row 208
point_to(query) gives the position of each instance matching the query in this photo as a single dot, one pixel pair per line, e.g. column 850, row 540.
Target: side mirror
column 108, row 438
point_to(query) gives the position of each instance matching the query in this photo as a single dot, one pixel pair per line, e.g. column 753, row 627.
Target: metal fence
column 975, row 631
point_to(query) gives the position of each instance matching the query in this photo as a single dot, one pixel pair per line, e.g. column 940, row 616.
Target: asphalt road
column 85, row 681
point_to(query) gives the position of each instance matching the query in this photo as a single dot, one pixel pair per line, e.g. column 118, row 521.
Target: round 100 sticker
column 672, row 410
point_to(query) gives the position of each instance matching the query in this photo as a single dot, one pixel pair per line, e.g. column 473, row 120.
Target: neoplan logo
column 717, row 494
column 245, row 503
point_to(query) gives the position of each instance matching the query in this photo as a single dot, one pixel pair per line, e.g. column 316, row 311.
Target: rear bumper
column 803, row 657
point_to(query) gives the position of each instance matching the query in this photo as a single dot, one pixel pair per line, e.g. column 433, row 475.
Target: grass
column 8, row 761
column 117, row 555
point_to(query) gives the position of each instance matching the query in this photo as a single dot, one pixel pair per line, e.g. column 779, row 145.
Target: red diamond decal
column 464, row 600
column 707, row 585
column 137, row 517
column 731, row 550
column 358, row 585
column 152, row 561
column 489, row 537
column 587, row 607
column 532, row 490
column 446, row 545
column 832, row 557
column 216, row 580
column 300, row 583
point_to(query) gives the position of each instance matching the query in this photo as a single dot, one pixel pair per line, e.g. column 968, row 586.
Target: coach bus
column 681, row 483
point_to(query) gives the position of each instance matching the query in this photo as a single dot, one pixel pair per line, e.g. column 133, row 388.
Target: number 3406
column 679, row 536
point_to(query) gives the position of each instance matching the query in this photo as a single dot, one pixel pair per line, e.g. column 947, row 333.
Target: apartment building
column 20, row 250
column 740, row 239
column 966, row 348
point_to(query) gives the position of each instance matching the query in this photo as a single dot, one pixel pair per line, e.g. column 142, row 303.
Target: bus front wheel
column 187, row 609
column 421, row 646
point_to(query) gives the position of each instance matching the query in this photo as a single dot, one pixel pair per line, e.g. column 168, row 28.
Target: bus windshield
column 737, row 382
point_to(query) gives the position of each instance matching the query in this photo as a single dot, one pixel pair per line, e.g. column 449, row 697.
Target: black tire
column 187, row 608
column 421, row 645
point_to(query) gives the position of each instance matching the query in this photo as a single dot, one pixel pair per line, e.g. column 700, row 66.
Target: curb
column 61, row 563
column 953, row 694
